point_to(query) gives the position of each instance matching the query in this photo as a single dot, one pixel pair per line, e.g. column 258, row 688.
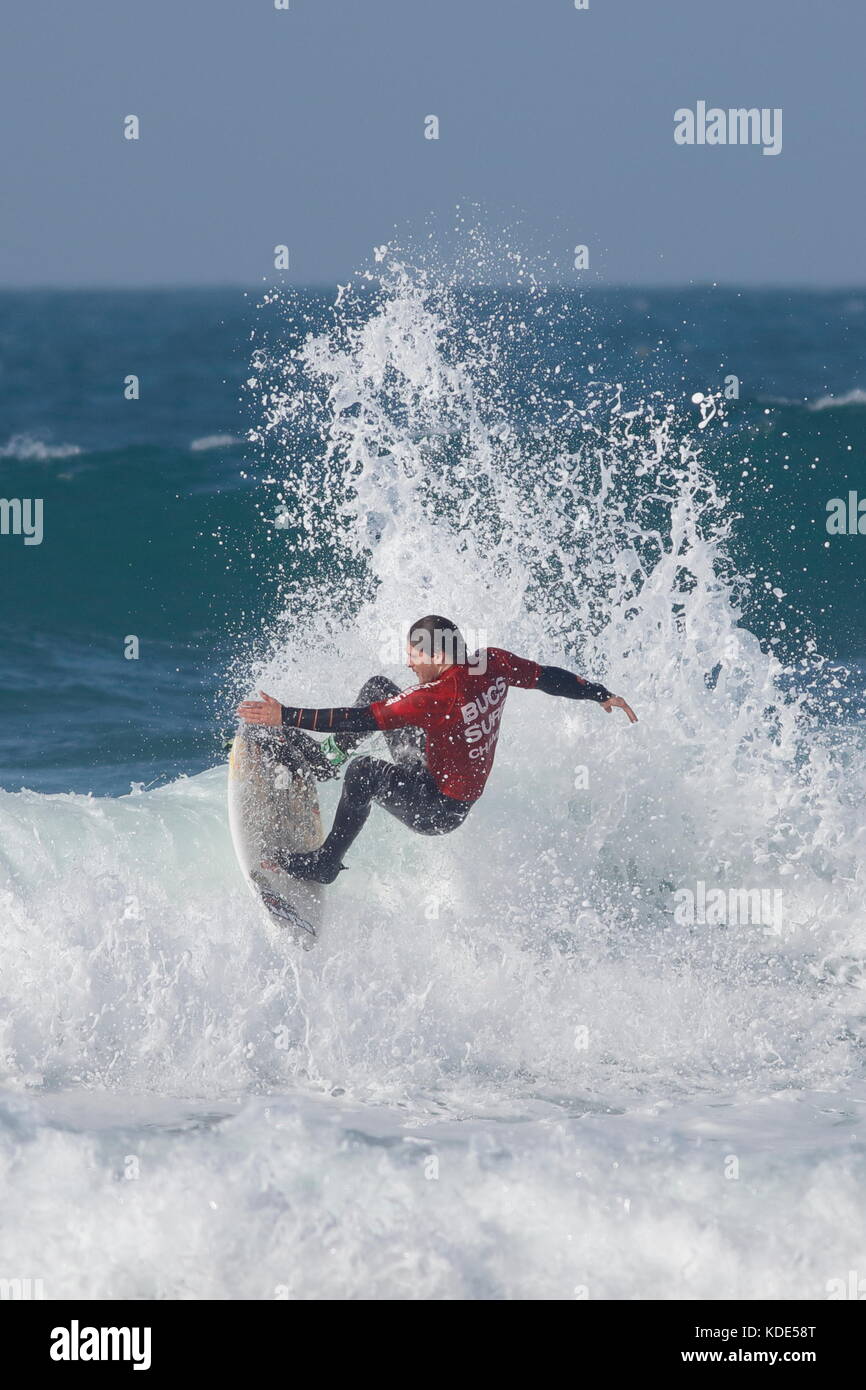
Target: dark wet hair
column 435, row 636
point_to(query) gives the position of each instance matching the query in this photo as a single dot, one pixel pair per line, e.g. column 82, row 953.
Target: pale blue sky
column 306, row 127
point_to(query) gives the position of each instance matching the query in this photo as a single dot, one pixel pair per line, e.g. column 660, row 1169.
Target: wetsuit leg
column 403, row 744
column 407, row 790
column 295, row 749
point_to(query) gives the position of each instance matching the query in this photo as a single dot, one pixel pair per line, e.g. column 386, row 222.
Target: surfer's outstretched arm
column 354, row 719
column 529, row 675
column 554, row 681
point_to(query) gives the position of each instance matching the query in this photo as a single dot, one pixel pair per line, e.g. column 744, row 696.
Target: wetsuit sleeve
column 354, row 719
column 554, row 681
column 516, row 669
column 422, row 707
column 550, row 679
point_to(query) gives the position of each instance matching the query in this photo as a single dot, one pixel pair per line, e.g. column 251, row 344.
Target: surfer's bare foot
column 310, row 866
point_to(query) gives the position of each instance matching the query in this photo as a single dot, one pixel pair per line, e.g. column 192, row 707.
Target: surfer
column 442, row 737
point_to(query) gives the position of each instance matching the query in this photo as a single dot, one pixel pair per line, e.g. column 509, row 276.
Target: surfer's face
column 425, row 665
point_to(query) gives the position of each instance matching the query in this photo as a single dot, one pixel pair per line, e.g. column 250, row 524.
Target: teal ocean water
column 153, row 508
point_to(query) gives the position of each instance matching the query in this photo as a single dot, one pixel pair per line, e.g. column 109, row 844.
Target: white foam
column 27, row 448
column 309, row 1198
column 857, row 396
column 212, row 441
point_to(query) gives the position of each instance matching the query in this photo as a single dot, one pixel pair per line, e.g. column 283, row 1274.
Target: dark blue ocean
column 152, row 507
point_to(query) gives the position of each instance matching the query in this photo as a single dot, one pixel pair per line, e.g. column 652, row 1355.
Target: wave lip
column 27, row 448
column 857, row 396
column 211, row 441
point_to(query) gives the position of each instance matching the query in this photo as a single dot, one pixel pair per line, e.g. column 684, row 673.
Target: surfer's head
column 434, row 643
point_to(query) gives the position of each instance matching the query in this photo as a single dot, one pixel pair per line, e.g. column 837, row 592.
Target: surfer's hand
column 617, row 702
column 267, row 710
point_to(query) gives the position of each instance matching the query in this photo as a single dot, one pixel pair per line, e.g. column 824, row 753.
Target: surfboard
column 273, row 804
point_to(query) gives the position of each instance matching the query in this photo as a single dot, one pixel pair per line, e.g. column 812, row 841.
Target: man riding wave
column 442, row 737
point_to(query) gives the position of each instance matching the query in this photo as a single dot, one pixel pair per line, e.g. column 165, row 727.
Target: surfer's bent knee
column 359, row 780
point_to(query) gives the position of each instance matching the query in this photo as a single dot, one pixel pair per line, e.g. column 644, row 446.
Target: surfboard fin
column 280, row 907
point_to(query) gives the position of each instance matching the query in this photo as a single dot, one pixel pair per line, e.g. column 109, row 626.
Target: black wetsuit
column 405, row 787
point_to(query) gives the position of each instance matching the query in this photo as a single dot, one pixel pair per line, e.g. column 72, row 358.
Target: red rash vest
column 460, row 713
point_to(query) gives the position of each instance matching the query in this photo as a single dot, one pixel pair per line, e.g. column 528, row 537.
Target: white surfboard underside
column 274, row 806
